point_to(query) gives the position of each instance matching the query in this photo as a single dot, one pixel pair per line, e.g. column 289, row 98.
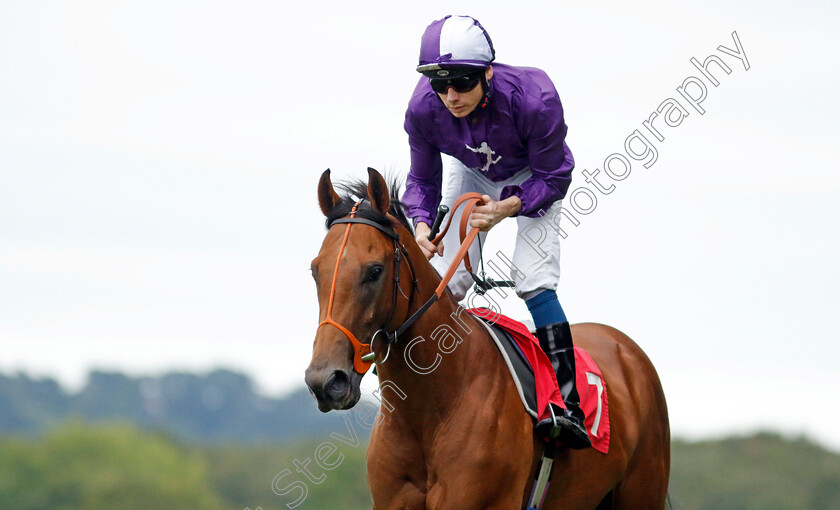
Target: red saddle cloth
column 590, row 383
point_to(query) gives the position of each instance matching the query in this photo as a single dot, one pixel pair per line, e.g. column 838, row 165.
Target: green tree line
column 120, row 467
column 221, row 406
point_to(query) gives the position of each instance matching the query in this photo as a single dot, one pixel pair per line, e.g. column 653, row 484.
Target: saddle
column 536, row 382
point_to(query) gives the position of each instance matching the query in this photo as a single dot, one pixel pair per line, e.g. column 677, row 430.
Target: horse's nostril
column 337, row 385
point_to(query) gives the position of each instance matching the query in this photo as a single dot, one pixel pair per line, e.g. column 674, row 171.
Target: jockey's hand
column 421, row 235
column 491, row 213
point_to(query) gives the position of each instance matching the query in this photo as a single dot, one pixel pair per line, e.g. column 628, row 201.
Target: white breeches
column 533, row 267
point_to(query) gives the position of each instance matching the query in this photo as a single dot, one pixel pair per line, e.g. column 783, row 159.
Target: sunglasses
column 460, row 84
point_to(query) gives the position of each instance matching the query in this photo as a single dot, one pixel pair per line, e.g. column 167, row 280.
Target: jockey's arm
column 492, row 212
column 484, row 217
column 421, row 235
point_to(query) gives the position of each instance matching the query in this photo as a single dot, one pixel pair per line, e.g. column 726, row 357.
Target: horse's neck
column 437, row 358
column 435, row 363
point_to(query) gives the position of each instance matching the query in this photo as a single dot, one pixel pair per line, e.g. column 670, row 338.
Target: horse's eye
column 373, row 273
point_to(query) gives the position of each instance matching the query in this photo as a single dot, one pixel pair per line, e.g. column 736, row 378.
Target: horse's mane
column 353, row 189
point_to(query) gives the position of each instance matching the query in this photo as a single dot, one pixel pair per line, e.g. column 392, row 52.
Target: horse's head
column 358, row 296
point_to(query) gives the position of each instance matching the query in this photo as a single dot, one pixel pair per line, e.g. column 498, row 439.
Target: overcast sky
column 159, row 162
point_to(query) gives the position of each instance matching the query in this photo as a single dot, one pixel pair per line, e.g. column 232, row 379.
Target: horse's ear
column 378, row 191
column 327, row 197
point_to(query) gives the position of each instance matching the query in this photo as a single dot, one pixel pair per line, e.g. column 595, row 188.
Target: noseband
column 362, row 353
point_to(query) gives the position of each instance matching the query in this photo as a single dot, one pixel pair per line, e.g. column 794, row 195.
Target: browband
column 385, row 230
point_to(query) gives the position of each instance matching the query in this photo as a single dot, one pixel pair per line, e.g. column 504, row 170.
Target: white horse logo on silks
column 485, row 149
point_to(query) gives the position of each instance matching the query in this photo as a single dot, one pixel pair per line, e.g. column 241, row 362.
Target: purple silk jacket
column 521, row 126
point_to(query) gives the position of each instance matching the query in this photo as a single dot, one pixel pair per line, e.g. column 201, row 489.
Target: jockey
column 504, row 127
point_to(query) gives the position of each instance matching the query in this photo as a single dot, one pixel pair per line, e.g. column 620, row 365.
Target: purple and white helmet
column 453, row 46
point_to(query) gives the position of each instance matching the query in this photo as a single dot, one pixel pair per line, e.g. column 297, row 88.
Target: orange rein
column 470, row 199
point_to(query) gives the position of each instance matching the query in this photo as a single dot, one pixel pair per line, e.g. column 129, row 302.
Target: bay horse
column 457, row 436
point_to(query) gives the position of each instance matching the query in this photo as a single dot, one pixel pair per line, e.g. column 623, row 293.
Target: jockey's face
column 461, row 104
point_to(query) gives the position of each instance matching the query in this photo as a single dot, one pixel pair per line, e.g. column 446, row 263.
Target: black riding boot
column 556, row 340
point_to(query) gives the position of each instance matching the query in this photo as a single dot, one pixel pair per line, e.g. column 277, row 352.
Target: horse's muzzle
column 334, row 389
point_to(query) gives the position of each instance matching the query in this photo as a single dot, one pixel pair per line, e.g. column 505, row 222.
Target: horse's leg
column 480, row 457
column 395, row 477
column 642, row 414
column 641, row 491
column 477, row 469
column 582, row 480
column 469, row 473
column 634, row 475
column 470, row 467
column 645, row 486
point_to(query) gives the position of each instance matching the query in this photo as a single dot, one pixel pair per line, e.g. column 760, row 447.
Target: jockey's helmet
column 454, row 46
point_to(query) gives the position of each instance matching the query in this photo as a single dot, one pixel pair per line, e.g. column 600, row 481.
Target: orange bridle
column 362, row 358
column 362, row 353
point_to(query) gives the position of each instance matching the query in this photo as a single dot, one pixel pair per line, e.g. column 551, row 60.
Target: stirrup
column 563, row 429
column 483, row 284
column 549, row 428
column 556, row 428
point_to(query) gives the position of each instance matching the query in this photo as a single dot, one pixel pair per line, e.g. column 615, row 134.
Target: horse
column 451, row 431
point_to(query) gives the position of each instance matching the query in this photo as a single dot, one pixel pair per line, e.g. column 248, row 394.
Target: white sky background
column 159, row 163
